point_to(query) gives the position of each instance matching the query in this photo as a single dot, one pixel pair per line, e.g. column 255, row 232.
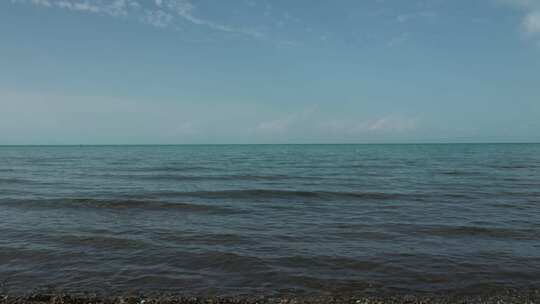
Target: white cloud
column 312, row 121
column 287, row 122
column 384, row 124
column 50, row 118
column 157, row 18
column 391, row 123
column 42, row 117
column 531, row 20
column 112, row 8
column 402, row 18
column 399, row 39
column 185, row 10
column 277, row 125
column 161, row 13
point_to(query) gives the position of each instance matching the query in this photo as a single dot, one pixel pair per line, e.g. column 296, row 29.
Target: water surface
column 267, row 219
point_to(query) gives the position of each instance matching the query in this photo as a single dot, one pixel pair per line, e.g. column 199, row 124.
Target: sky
column 269, row 71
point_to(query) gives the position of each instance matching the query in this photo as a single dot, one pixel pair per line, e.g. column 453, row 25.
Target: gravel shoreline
column 503, row 296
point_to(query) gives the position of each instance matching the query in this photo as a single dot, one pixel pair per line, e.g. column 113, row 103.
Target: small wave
column 512, row 167
column 460, row 173
column 330, row 262
column 214, row 261
column 115, row 204
column 204, row 239
column 98, row 241
column 284, row 194
column 485, row 232
column 14, row 180
column 8, row 254
column 513, row 206
column 229, row 262
column 175, row 177
column 169, row 169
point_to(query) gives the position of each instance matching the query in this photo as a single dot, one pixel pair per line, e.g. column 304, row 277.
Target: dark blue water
column 267, row 219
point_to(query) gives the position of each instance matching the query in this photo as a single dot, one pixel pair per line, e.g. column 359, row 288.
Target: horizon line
column 271, row 144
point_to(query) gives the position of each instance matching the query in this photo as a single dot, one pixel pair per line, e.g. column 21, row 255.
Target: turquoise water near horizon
column 270, row 218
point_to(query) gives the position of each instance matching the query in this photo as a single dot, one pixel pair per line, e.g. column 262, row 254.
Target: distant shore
column 502, row 296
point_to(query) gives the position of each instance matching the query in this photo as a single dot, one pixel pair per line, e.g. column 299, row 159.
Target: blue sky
column 262, row 71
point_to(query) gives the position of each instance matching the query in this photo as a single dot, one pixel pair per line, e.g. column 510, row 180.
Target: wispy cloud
column 159, row 13
column 111, row 8
column 285, row 123
column 402, row 18
column 311, row 120
column 399, row 39
column 185, row 10
column 531, row 20
column 157, row 18
column 384, row 124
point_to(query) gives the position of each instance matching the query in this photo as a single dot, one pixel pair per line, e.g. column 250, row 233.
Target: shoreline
column 496, row 296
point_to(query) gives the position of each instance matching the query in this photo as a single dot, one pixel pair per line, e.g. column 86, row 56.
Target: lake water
column 270, row 218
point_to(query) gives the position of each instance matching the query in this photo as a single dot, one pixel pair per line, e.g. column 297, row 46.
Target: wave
column 460, row 173
column 156, row 200
column 208, row 239
column 170, row 169
column 177, row 176
column 99, row 241
column 284, row 194
column 15, row 180
column 475, row 231
column 244, row 177
column 517, row 166
column 330, row 262
column 118, row 204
